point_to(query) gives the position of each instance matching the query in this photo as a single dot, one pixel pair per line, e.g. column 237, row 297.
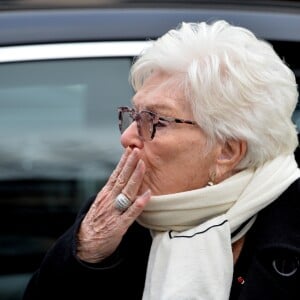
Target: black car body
column 63, row 72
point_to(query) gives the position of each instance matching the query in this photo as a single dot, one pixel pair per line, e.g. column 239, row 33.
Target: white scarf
column 191, row 254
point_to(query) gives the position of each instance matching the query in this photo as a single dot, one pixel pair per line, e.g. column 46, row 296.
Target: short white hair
column 237, row 85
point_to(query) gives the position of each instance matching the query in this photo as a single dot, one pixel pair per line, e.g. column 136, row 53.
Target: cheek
column 173, row 154
column 156, row 156
column 192, row 170
column 173, row 169
column 161, row 161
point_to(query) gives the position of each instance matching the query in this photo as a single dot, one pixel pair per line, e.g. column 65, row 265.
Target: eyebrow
column 160, row 109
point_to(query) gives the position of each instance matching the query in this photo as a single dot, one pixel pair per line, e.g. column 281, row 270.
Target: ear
column 230, row 154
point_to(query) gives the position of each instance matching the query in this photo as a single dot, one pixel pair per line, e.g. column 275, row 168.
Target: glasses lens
column 143, row 119
column 125, row 119
column 146, row 125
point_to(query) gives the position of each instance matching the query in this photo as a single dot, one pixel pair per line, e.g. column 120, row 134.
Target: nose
column 130, row 137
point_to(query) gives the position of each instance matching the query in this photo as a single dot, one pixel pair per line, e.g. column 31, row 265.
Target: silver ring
column 122, row 202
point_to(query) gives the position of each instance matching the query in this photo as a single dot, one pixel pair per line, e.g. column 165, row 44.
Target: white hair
column 237, row 85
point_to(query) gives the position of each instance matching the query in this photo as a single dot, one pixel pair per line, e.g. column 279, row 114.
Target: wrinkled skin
column 175, row 160
column 104, row 226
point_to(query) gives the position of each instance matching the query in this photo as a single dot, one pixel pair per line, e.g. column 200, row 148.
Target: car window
column 56, row 117
column 59, row 141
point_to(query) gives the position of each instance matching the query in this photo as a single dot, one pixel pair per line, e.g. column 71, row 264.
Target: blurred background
column 63, row 72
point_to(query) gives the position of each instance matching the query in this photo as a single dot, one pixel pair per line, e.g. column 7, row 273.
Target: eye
column 162, row 123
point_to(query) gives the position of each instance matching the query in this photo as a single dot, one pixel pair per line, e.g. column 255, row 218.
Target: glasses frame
column 155, row 118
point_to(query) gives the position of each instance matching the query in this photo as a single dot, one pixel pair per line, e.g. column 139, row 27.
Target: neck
column 237, row 248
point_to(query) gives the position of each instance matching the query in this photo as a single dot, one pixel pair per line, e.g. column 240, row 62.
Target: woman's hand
column 103, row 227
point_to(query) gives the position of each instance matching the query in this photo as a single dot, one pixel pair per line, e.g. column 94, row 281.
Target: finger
column 125, row 174
column 113, row 177
column 133, row 185
column 131, row 214
column 118, row 179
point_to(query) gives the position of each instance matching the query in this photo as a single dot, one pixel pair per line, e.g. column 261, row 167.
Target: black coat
column 268, row 267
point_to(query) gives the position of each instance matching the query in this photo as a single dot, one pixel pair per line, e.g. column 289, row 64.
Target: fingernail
column 147, row 193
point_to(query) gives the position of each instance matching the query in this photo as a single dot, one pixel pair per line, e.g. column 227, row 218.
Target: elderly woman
column 204, row 203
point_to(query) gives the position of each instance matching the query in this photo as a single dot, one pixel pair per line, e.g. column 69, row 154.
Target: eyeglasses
column 147, row 121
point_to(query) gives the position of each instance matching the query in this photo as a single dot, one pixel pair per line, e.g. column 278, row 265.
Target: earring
column 212, row 178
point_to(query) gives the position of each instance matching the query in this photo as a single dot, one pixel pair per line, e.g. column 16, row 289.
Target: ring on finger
column 122, row 202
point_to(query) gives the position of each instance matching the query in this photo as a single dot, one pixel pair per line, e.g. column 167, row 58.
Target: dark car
column 63, row 72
